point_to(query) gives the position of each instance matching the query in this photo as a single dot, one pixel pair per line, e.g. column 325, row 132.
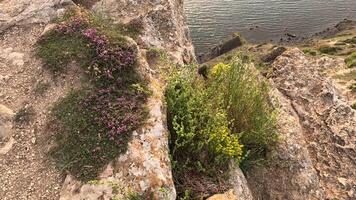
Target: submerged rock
column 228, row 45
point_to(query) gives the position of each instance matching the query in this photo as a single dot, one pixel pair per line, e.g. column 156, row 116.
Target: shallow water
column 210, row 21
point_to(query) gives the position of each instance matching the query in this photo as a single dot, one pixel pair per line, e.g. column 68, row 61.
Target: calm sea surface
column 210, row 21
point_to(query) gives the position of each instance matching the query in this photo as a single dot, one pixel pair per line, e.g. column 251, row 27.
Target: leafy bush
column 217, row 120
column 96, row 121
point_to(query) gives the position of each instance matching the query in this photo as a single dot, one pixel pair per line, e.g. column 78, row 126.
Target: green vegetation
column 213, row 121
column 310, row 52
column 94, row 122
column 353, row 106
column 82, row 145
column 58, row 50
column 41, row 88
column 329, row 49
column 351, row 60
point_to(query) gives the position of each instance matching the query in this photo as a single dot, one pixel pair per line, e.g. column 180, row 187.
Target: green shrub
column 351, row 60
column 216, row 120
column 245, row 99
column 199, row 128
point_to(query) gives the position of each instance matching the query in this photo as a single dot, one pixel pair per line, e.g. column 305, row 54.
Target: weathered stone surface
column 229, row 195
column 163, row 22
column 6, row 140
column 25, row 13
column 240, row 185
column 317, row 130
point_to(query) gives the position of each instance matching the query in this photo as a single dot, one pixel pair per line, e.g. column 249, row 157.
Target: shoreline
column 288, row 40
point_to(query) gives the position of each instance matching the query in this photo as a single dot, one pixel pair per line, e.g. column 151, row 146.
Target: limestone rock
column 240, row 185
column 317, row 129
column 163, row 22
column 22, row 12
column 6, row 139
column 229, row 195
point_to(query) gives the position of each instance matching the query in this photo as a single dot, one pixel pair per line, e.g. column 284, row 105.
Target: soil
column 27, row 172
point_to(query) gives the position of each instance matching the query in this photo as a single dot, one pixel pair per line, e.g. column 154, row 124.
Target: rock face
column 145, row 167
column 315, row 157
column 163, row 22
column 24, row 13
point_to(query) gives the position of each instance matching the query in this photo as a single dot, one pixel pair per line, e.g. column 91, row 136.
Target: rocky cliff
column 314, row 157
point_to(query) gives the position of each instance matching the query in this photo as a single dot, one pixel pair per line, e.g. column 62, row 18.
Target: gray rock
column 317, row 129
column 6, row 140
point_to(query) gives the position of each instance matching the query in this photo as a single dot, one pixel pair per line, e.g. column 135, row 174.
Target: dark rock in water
column 290, row 35
column 270, row 57
column 345, row 24
column 228, row 45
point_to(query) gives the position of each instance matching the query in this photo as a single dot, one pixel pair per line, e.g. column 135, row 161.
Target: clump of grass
column 351, row 60
column 329, row 49
column 310, row 52
column 41, row 88
column 95, row 123
column 25, row 115
column 214, row 121
column 58, row 50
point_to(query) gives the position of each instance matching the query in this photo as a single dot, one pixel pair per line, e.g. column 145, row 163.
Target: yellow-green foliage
column 199, row 129
column 212, row 121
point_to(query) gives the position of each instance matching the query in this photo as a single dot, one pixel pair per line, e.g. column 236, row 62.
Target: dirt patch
column 85, row 3
column 26, row 172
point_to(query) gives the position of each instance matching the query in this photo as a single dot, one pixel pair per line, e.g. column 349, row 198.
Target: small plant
column 41, row 88
column 351, row 60
column 309, row 52
column 25, row 115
